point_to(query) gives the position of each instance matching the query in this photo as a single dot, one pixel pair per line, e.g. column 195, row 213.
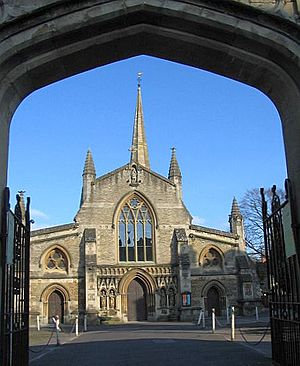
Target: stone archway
column 143, row 287
column 48, row 41
column 54, row 300
column 214, row 296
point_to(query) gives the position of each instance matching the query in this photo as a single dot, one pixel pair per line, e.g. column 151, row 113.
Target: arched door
column 213, row 301
column 136, row 301
column 56, row 306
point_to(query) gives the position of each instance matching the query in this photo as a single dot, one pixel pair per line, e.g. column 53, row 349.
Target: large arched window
column 135, row 232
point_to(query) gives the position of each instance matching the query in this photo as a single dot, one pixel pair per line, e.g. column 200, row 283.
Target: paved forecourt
column 165, row 344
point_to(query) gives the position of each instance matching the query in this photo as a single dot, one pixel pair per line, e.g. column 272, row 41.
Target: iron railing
column 15, row 240
column 283, row 277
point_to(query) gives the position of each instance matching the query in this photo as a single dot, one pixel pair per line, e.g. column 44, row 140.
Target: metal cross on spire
column 139, row 78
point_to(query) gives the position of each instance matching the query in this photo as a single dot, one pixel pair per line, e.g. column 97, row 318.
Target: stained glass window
column 56, row 260
column 135, row 232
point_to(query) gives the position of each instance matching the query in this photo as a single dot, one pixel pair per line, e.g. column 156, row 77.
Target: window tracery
column 56, row 260
column 135, row 232
column 212, row 258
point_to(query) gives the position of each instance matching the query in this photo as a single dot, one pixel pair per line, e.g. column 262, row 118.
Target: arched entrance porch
column 54, row 300
column 214, row 297
column 137, row 289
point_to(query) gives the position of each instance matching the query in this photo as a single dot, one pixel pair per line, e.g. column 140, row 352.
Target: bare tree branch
column 250, row 207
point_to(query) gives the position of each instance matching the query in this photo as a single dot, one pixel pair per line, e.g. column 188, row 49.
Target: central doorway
column 136, row 301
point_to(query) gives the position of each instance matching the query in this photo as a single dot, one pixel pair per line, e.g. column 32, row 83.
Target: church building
column 132, row 252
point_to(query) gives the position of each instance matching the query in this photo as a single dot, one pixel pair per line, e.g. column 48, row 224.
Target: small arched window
column 135, row 232
column 212, row 258
column 56, row 260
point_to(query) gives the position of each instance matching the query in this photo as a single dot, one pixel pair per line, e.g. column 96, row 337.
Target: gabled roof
column 212, row 231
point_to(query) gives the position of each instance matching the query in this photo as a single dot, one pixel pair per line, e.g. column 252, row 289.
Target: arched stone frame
column 45, row 296
column 116, row 216
column 206, row 250
column 150, row 286
column 249, row 45
column 45, row 253
column 222, row 294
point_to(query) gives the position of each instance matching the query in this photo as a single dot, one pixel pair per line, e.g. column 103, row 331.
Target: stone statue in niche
column 134, row 175
column 103, row 299
column 163, row 298
column 172, row 301
column 112, row 299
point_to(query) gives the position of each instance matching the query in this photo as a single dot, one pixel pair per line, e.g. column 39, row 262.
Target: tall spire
column 89, row 167
column 174, row 170
column 139, row 148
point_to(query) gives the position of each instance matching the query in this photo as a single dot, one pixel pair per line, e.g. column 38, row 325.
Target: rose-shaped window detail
column 212, row 258
column 56, row 260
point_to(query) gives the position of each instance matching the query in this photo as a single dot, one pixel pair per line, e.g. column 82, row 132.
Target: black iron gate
column 281, row 244
column 15, row 240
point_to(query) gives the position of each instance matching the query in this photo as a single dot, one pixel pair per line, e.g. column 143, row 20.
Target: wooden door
column 56, row 306
column 213, row 301
column 136, row 301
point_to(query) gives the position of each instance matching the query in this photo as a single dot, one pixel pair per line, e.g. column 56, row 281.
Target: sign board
column 289, row 242
column 10, row 238
column 186, row 299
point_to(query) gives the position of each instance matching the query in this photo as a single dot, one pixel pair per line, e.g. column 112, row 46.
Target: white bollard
column 200, row 317
column 232, row 324
column 85, row 322
column 227, row 316
column 256, row 313
column 76, row 325
column 38, row 322
column 213, row 320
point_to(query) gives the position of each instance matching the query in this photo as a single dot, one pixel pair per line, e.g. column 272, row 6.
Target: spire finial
column 139, row 147
column 174, row 170
column 89, row 166
column 139, row 78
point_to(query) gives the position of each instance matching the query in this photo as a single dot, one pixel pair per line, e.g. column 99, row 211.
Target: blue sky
column 227, row 135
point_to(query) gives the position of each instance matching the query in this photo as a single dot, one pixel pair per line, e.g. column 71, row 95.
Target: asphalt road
column 155, row 344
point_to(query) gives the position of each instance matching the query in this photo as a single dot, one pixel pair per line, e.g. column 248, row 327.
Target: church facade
column 132, row 252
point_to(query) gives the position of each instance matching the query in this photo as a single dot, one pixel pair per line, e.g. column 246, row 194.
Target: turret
column 175, row 173
column 89, row 177
column 237, row 223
